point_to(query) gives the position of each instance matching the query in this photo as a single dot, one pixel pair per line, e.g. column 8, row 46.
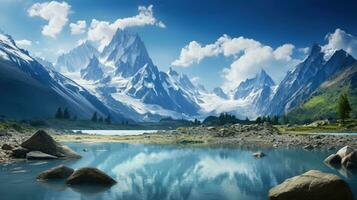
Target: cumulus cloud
column 54, row 12
column 340, row 40
column 103, row 31
column 194, row 53
column 23, row 43
column 250, row 56
column 78, row 28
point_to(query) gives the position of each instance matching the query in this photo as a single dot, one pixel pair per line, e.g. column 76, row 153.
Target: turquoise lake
column 169, row 172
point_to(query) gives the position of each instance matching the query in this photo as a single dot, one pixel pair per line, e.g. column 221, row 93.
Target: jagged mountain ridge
column 306, row 78
column 35, row 91
column 76, row 59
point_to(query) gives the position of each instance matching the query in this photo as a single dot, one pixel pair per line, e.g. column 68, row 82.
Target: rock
column 333, row 159
column 6, row 147
column 308, row 147
column 259, row 154
column 19, row 152
column 43, row 142
column 312, row 185
column 89, row 175
column 38, row 155
column 344, row 151
column 350, row 161
column 59, row 172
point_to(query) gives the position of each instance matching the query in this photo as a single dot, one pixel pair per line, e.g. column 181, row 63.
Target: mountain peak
column 128, row 52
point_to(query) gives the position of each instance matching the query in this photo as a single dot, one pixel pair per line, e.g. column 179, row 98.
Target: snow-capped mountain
column 258, row 90
column 76, row 59
column 127, row 53
column 125, row 79
column 35, row 91
column 93, row 71
column 306, row 78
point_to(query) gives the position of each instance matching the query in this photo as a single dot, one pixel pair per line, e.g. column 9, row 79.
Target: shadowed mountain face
column 299, row 84
column 34, row 91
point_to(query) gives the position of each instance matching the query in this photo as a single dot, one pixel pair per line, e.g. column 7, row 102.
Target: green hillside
column 322, row 103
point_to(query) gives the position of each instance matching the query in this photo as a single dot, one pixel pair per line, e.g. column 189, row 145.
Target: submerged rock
column 19, row 152
column 312, row 185
column 43, row 142
column 38, row 155
column 59, row 172
column 90, row 176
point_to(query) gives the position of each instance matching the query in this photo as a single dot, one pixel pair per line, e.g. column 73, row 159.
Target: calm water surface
column 168, row 172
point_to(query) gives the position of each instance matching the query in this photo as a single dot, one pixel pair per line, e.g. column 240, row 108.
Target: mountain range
column 122, row 81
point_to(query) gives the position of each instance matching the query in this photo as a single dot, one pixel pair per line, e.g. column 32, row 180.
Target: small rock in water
column 59, row 172
column 312, row 185
column 91, row 176
column 259, row 154
column 38, row 155
column 333, row 159
column 308, row 147
column 85, row 150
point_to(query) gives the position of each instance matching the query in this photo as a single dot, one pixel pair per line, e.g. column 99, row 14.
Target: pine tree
column 94, row 117
column 66, row 114
column 275, row 120
column 100, row 119
column 343, row 107
column 258, row 120
column 59, row 113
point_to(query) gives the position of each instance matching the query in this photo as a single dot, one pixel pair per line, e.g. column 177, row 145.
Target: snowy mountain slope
column 128, row 81
column 306, row 78
column 34, row 91
column 93, row 71
column 76, row 59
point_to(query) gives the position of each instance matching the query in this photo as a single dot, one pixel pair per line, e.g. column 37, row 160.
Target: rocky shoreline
column 263, row 134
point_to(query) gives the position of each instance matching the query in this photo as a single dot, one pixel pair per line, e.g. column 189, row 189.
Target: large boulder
column 19, row 152
column 312, row 185
column 90, row 176
column 38, row 155
column 43, row 142
column 59, row 172
column 344, row 151
column 350, row 160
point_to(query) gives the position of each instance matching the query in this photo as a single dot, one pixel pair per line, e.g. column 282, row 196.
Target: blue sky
column 270, row 23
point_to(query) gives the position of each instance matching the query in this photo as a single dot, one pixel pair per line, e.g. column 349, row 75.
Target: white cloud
column 78, row 27
column 194, row 53
column 250, row 56
column 23, row 43
column 304, row 50
column 54, row 12
column 340, row 40
column 103, row 31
